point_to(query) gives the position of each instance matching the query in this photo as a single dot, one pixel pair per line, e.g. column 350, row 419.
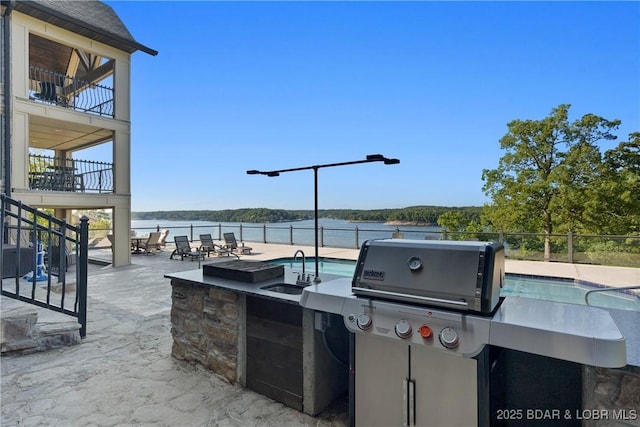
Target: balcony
column 50, row 87
column 48, row 173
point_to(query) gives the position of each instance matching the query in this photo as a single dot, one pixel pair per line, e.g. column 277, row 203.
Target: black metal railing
column 39, row 252
column 62, row 174
column 70, row 92
column 618, row 250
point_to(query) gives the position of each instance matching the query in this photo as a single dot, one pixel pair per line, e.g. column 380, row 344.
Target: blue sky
column 274, row 85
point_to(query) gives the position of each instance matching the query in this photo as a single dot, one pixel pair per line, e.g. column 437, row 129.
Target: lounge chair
column 110, row 238
column 163, row 238
column 152, row 243
column 208, row 246
column 132, row 242
column 183, row 248
column 231, row 243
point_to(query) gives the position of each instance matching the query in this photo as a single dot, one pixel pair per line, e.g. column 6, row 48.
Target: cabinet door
column 381, row 369
column 445, row 388
column 274, row 350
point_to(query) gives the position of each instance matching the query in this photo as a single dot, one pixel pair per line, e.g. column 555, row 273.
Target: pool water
column 550, row 289
column 336, row 266
column 569, row 291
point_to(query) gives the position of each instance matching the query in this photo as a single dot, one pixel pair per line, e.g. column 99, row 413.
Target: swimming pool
column 567, row 290
column 336, row 266
column 549, row 289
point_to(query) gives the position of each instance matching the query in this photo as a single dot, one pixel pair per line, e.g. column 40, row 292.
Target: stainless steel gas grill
column 434, row 344
column 430, row 302
column 464, row 276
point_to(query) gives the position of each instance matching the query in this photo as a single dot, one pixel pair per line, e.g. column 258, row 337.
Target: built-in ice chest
column 243, row 271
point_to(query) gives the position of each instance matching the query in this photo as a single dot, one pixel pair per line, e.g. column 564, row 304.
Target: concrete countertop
column 196, row 277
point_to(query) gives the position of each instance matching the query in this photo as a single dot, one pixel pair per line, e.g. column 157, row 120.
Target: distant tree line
column 423, row 215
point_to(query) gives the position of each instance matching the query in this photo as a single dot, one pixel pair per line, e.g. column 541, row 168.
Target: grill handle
column 365, row 291
column 412, row 403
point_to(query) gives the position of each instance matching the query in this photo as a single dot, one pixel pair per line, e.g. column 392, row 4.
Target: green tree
column 613, row 205
column 461, row 225
column 453, row 221
column 543, row 178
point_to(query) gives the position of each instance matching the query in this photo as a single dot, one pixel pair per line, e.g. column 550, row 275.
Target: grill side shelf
column 571, row 332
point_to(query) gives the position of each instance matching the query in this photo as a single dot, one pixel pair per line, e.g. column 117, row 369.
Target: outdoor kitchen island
column 248, row 327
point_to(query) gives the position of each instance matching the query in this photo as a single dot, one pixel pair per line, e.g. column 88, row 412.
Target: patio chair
column 231, row 243
column 208, row 246
column 152, row 243
column 55, row 260
column 163, row 238
column 183, row 248
column 48, row 92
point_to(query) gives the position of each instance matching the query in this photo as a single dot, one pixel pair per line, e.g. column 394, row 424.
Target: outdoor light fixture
column 369, row 159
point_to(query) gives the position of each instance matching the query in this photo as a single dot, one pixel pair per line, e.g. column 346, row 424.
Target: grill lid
column 459, row 275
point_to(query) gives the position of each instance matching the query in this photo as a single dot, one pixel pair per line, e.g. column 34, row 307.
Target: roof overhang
column 54, row 16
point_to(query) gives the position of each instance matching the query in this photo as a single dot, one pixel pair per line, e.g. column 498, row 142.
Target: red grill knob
column 425, row 332
column 364, row 322
column 403, row 329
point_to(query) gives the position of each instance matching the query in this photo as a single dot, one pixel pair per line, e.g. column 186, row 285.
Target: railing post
column 264, row 233
column 445, row 236
column 570, row 247
column 62, row 251
column 241, row 239
column 501, row 236
column 291, row 235
column 357, row 238
column 191, row 232
column 82, row 274
column 321, row 236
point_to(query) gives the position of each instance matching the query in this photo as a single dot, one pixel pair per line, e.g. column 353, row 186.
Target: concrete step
column 98, row 261
column 28, row 329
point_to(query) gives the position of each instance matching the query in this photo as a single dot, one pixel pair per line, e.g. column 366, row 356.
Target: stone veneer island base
column 259, row 340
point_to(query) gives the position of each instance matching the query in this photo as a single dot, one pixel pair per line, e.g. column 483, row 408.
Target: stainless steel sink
column 284, row 288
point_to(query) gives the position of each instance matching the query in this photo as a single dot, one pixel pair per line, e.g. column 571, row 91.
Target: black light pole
column 370, row 159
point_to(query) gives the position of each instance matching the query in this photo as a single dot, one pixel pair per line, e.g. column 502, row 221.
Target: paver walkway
column 123, row 373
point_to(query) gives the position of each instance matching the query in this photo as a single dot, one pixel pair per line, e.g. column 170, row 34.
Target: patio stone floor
column 123, row 373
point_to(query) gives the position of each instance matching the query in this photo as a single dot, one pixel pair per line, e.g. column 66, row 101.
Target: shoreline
column 396, row 223
column 411, row 223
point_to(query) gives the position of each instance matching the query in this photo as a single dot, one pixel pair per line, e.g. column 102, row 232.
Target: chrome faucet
column 301, row 280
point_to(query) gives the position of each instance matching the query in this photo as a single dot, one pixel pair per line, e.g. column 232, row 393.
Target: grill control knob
column 425, row 332
column 364, row 322
column 449, row 338
column 403, row 329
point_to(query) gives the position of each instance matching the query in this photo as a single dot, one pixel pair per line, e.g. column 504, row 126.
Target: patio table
column 135, row 244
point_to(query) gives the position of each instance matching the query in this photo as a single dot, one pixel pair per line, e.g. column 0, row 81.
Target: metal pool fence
column 620, row 250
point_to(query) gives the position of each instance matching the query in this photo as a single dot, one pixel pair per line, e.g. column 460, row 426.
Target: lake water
column 333, row 232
